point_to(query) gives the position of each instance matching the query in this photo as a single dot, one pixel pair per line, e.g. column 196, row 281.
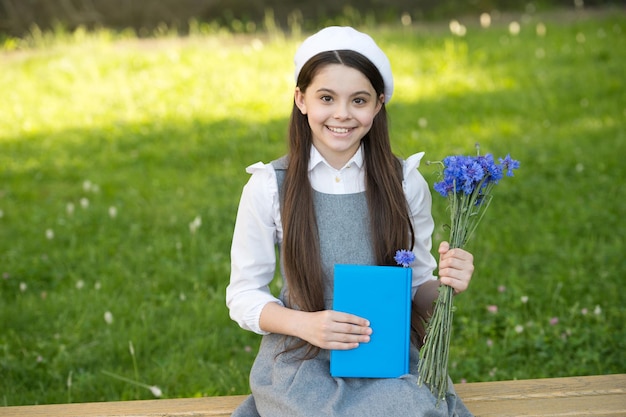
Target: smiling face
column 340, row 104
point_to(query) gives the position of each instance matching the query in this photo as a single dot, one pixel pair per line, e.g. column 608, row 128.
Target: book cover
column 382, row 295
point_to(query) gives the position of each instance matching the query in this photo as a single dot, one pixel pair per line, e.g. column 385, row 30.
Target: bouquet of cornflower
column 467, row 184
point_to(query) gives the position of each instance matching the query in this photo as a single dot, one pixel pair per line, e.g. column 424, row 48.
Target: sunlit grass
column 112, row 148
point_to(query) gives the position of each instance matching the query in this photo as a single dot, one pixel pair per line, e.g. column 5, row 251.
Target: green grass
column 158, row 132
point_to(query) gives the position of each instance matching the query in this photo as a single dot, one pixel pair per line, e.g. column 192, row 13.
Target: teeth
column 339, row 129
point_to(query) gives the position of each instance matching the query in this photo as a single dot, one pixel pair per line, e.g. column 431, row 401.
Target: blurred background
column 18, row 16
column 126, row 127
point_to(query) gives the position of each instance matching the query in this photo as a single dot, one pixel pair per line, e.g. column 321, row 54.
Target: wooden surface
column 603, row 395
column 187, row 407
column 574, row 396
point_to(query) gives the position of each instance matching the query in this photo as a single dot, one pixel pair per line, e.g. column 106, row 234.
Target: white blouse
column 258, row 229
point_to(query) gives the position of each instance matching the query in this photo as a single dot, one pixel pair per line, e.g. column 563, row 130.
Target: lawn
column 122, row 161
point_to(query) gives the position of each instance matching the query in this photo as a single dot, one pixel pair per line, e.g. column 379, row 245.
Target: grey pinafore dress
column 285, row 386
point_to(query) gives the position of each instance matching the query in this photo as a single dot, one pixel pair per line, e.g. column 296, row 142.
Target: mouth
column 339, row 130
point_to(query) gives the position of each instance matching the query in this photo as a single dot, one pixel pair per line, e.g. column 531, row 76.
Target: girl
column 339, row 196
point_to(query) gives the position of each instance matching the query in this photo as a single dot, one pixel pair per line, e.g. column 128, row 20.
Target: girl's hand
column 455, row 267
column 330, row 329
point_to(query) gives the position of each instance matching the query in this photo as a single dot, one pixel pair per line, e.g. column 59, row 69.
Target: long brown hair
column 391, row 227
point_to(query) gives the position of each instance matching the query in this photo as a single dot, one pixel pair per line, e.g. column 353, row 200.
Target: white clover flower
column 540, row 29
column 519, row 328
column 257, row 44
column 69, row 208
column 112, row 212
column 87, row 185
column 156, row 391
column 84, row 202
column 49, row 234
column 514, row 28
column 1, row 213
column 23, row 286
column 524, row 299
column 108, row 317
column 405, row 19
column 485, row 20
column 597, row 311
column 195, row 225
column 80, row 284
column 457, row 28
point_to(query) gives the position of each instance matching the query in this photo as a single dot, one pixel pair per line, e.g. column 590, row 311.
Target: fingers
column 461, row 254
column 340, row 317
column 443, row 247
column 349, row 329
column 338, row 331
column 456, row 267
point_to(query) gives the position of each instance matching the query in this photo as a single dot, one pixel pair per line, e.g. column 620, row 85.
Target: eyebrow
column 358, row 93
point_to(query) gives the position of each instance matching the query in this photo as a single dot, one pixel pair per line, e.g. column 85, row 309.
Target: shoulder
column 414, row 184
column 262, row 181
column 412, row 162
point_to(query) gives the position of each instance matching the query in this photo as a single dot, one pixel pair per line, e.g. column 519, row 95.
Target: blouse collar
column 316, row 158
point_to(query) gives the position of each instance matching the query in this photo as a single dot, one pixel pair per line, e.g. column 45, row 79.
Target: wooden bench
column 573, row 396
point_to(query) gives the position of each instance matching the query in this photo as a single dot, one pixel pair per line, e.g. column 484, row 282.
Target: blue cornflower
column 468, row 173
column 471, row 175
column 472, row 170
column 453, row 165
column 404, row 257
column 467, row 183
column 509, row 164
column 445, row 187
column 490, row 168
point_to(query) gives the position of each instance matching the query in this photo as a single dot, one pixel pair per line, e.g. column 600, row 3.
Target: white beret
column 335, row 38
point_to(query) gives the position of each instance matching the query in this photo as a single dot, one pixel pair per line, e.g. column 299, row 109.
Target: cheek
column 366, row 118
column 317, row 114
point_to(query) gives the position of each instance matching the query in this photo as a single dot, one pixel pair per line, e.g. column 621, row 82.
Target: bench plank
column 222, row 406
column 603, row 395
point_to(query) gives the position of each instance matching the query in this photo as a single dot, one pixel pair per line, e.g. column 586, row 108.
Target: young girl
column 339, row 196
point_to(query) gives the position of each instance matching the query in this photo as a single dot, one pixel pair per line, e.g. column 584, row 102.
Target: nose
column 342, row 111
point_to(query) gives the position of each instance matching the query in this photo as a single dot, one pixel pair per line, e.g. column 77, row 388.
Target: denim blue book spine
column 382, row 295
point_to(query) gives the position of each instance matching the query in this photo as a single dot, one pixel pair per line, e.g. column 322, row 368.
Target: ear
column 298, row 99
column 379, row 103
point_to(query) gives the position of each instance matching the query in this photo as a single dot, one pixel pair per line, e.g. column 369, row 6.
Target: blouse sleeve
column 253, row 255
column 420, row 204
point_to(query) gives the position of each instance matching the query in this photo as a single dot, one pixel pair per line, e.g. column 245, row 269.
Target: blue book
column 382, row 295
